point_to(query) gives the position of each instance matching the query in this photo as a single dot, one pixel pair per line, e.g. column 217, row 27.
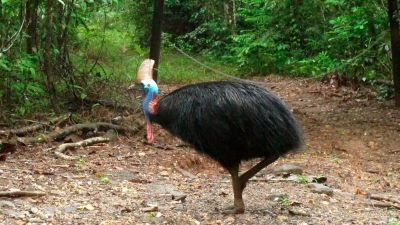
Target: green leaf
column 78, row 87
column 60, row 1
column 83, row 96
column 138, row 49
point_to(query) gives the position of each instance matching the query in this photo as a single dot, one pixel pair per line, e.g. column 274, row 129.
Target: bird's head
column 150, row 91
column 149, row 88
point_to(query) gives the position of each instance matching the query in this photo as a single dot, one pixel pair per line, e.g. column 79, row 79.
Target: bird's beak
column 136, row 87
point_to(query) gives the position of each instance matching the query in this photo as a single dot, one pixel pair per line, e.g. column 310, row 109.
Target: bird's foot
column 232, row 210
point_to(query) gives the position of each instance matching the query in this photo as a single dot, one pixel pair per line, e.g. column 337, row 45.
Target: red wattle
column 150, row 136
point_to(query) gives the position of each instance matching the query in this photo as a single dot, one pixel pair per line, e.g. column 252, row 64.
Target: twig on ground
column 383, row 198
column 21, row 193
column 384, row 204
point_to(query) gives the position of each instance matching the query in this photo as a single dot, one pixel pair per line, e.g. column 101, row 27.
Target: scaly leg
column 238, row 206
column 239, row 183
column 255, row 169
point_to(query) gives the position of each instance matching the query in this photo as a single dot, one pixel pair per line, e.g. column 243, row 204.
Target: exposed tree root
column 94, row 127
column 62, row 148
column 33, row 128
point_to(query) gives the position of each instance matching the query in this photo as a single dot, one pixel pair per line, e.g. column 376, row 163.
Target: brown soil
column 351, row 138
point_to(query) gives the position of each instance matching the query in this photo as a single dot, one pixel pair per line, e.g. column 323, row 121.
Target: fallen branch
column 94, row 127
column 383, row 198
column 394, row 151
column 21, row 193
column 62, row 148
column 384, row 204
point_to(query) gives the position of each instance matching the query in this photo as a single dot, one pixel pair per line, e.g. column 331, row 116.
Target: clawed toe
column 232, row 210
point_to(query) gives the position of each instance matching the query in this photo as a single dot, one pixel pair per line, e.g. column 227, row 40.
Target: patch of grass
column 82, row 160
column 335, row 160
column 120, row 59
column 284, row 201
column 104, row 179
column 302, row 179
column 177, row 68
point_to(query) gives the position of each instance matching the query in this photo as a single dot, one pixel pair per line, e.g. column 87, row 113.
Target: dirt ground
column 351, row 138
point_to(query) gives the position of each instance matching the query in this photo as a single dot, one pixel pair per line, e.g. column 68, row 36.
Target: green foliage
column 107, row 40
column 382, row 91
column 335, row 160
column 302, row 179
column 393, row 221
column 176, row 68
column 283, row 37
column 81, row 160
column 284, row 201
column 277, row 41
column 104, row 180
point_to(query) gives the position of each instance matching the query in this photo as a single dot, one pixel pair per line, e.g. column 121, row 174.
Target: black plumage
column 230, row 121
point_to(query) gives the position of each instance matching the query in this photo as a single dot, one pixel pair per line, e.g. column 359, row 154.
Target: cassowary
column 229, row 121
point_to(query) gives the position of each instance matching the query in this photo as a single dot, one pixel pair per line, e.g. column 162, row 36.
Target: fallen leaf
column 197, row 186
column 140, row 181
column 358, row 192
column 85, row 207
column 371, row 144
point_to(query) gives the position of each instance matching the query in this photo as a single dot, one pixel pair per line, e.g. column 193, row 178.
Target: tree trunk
column 31, row 18
column 395, row 41
column 155, row 40
column 234, row 17
column 47, row 58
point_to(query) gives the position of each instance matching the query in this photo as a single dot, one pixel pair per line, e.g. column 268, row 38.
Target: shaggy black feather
column 230, row 121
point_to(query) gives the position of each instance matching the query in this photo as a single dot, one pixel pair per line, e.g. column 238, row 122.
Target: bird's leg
column 239, row 183
column 255, row 169
column 238, row 206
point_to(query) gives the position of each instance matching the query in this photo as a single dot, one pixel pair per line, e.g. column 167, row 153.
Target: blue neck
column 149, row 95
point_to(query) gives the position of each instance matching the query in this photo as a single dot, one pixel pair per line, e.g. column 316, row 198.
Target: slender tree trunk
column 47, row 59
column 234, row 17
column 31, row 18
column 155, row 40
column 395, row 41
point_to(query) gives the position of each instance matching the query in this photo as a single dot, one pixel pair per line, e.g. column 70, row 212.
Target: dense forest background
column 62, row 53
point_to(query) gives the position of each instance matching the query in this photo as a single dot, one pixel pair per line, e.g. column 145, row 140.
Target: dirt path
column 351, row 139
